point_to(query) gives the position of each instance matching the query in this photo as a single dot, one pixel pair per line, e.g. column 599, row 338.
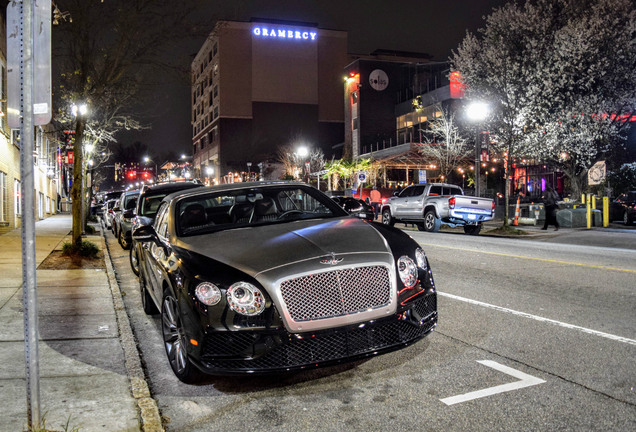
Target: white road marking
column 525, row 381
column 542, row 319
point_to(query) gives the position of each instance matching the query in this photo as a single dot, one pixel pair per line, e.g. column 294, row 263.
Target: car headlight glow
column 407, row 271
column 208, row 293
column 420, row 258
column 246, row 299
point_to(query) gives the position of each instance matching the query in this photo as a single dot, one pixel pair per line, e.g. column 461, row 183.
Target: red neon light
column 456, row 86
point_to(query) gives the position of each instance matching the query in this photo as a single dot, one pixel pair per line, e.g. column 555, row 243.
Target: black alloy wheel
column 626, row 219
column 147, row 302
column 387, row 219
column 134, row 258
column 431, row 222
column 175, row 340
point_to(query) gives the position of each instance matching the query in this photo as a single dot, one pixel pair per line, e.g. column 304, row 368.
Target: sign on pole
column 422, row 176
column 596, row 174
column 41, row 47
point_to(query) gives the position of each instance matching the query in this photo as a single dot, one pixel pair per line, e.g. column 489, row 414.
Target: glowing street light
column 477, row 113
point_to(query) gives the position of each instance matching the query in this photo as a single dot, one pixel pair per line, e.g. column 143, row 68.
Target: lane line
column 525, row 381
column 541, row 319
column 531, row 258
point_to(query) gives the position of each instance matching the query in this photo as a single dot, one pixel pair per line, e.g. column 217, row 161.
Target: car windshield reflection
column 241, row 208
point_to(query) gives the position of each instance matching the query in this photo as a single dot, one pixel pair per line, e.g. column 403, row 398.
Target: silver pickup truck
column 429, row 205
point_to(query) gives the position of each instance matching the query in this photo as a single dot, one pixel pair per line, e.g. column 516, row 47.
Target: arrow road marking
column 526, row 381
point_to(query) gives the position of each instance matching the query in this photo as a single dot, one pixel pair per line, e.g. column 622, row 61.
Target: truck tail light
column 451, row 202
column 493, row 207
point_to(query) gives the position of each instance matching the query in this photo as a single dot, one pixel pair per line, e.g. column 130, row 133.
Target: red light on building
column 456, row 86
column 131, row 174
column 146, row 175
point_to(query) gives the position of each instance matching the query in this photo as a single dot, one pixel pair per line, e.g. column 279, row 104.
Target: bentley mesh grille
column 295, row 352
column 336, row 293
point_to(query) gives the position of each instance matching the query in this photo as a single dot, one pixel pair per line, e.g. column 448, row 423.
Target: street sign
column 362, row 177
column 42, row 105
column 422, row 176
column 596, row 174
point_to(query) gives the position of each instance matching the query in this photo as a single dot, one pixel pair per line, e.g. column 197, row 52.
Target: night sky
column 435, row 27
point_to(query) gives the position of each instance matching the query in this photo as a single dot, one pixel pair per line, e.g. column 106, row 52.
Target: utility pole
column 29, row 105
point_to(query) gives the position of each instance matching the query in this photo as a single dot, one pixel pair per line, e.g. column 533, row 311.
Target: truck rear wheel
column 472, row 229
column 431, row 222
column 387, row 219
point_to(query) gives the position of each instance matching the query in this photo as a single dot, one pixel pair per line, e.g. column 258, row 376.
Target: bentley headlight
column 420, row 258
column 407, row 271
column 246, row 299
column 208, row 293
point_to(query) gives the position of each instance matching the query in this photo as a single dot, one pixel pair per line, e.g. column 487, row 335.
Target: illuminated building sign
column 284, row 33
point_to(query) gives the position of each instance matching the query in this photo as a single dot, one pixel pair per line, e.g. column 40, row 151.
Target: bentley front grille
column 336, row 293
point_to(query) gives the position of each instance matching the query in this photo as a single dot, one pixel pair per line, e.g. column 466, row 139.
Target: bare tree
column 104, row 51
column 447, row 147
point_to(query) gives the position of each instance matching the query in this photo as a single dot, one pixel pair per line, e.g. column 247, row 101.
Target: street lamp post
column 302, row 152
column 146, row 160
column 477, row 113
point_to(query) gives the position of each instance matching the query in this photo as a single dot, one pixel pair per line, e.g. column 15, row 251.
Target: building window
column 4, row 198
column 216, row 91
column 216, row 112
column 17, row 202
column 215, row 48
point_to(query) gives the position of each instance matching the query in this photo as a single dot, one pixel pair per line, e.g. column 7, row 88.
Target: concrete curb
column 148, row 408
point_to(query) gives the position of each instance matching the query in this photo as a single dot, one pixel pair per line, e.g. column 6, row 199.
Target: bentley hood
column 258, row 249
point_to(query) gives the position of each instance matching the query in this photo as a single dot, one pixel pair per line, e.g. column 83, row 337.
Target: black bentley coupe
column 275, row 276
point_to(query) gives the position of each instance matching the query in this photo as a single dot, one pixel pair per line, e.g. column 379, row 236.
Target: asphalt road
column 533, row 335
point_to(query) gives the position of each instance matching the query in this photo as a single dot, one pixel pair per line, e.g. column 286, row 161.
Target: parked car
column 624, row 208
column 108, row 213
column 271, row 277
column 124, row 212
column 150, row 197
column 356, row 207
column 429, row 205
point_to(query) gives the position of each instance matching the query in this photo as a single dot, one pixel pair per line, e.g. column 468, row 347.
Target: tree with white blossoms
column 553, row 72
column 497, row 68
column 447, row 147
column 587, row 81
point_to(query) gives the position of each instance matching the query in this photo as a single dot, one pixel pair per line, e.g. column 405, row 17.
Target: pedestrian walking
column 550, row 198
column 376, row 198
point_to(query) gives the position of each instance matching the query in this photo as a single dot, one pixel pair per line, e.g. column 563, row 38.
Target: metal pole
column 29, row 282
column 477, row 163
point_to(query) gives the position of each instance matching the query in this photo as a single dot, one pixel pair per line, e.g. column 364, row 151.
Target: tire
column 125, row 244
column 174, row 341
column 147, row 302
column 431, row 222
column 387, row 219
column 134, row 259
column 472, row 229
column 420, row 226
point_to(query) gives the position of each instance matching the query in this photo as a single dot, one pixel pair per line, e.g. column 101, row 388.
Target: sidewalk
column 90, row 374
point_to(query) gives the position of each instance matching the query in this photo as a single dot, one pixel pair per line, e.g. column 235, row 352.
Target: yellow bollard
column 605, row 211
column 583, row 199
column 589, row 212
column 594, row 202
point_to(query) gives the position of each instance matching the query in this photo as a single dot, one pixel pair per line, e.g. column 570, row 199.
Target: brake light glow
column 451, row 202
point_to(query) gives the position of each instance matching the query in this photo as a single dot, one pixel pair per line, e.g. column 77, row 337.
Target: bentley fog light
column 246, row 299
column 208, row 293
column 420, row 257
column 407, row 271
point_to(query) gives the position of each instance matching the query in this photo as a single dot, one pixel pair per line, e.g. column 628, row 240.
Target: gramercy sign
column 283, row 33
